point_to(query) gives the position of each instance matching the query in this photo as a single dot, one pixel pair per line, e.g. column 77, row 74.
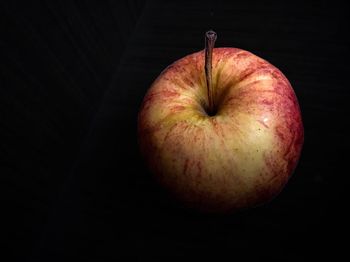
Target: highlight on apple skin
column 240, row 156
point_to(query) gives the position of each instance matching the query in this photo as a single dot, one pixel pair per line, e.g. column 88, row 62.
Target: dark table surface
column 72, row 77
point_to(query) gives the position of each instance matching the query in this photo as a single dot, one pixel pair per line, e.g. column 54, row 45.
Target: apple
column 221, row 129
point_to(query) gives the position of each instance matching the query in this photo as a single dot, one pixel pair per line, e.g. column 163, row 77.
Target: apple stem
column 210, row 38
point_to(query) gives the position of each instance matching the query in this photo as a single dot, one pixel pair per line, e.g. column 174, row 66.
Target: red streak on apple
column 186, row 166
column 243, row 155
column 199, row 167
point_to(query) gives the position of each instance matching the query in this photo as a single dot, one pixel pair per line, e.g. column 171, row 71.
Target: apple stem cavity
column 210, row 38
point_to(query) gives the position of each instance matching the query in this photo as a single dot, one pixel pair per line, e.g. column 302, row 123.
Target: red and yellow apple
column 237, row 156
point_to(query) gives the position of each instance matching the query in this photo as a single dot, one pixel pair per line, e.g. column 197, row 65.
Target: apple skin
column 239, row 158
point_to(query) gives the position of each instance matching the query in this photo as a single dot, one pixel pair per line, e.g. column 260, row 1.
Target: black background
column 72, row 77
